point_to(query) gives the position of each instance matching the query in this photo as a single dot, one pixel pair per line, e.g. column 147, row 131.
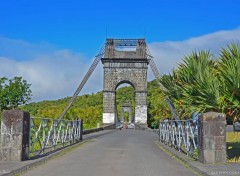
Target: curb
column 180, row 156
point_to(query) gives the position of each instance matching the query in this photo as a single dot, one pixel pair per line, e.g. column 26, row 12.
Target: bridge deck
column 125, row 152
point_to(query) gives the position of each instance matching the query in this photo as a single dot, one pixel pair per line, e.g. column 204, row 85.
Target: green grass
column 233, row 146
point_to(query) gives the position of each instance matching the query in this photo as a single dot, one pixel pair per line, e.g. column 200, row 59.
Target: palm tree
column 193, row 85
column 229, row 73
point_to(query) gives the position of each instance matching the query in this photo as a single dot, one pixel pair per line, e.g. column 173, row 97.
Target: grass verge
column 233, row 146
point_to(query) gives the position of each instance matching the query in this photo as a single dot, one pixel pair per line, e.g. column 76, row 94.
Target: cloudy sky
column 51, row 44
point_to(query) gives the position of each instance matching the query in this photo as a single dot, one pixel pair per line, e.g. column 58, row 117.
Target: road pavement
column 125, row 152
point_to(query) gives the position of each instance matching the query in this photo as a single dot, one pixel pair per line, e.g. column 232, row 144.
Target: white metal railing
column 180, row 134
column 48, row 134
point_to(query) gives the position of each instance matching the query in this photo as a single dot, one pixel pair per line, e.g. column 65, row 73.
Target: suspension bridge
column 111, row 150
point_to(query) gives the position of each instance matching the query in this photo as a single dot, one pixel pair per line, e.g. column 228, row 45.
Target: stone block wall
column 212, row 138
column 15, row 129
column 120, row 71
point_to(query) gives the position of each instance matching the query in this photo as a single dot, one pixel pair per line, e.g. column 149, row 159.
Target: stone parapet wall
column 15, row 129
column 212, row 138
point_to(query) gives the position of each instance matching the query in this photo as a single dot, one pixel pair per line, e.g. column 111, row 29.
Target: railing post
column 159, row 128
column 212, row 138
column 81, row 128
column 15, row 129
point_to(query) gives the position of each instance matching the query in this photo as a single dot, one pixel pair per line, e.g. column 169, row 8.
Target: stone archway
column 125, row 66
column 126, row 107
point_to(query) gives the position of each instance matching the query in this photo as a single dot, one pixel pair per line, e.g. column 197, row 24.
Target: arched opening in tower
column 125, row 103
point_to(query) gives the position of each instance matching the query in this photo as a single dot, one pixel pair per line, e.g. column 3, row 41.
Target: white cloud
column 52, row 75
column 168, row 54
column 22, row 50
column 55, row 73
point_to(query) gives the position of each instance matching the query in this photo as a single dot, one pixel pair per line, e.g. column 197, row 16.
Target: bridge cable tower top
column 116, row 48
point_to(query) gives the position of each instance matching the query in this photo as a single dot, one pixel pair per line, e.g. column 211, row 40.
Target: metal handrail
column 48, row 134
column 180, row 134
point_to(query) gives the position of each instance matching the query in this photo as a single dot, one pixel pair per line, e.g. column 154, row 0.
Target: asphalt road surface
column 123, row 152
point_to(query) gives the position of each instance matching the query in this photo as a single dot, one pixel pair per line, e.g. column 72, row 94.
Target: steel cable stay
column 81, row 85
column 175, row 132
column 86, row 77
column 157, row 76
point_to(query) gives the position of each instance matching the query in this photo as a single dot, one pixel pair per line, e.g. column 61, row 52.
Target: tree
column 14, row 93
column 3, row 94
column 194, row 86
column 228, row 67
column 201, row 83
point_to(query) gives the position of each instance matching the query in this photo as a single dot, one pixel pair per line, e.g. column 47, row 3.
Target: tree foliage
column 201, row 83
column 14, row 92
column 89, row 106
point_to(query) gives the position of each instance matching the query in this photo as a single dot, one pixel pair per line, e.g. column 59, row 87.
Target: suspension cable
column 84, row 80
column 157, row 76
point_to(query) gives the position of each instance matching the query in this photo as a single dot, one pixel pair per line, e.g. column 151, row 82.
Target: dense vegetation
column 89, row 107
column 199, row 83
column 14, row 92
column 202, row 83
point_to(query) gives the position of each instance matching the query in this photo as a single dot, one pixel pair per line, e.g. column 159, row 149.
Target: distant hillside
column 89, row 106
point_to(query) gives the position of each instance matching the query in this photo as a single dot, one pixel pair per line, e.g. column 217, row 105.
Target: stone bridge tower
column 125, row 61
column 126, row 107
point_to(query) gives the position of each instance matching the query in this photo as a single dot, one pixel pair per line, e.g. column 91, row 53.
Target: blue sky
column 49, row 41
